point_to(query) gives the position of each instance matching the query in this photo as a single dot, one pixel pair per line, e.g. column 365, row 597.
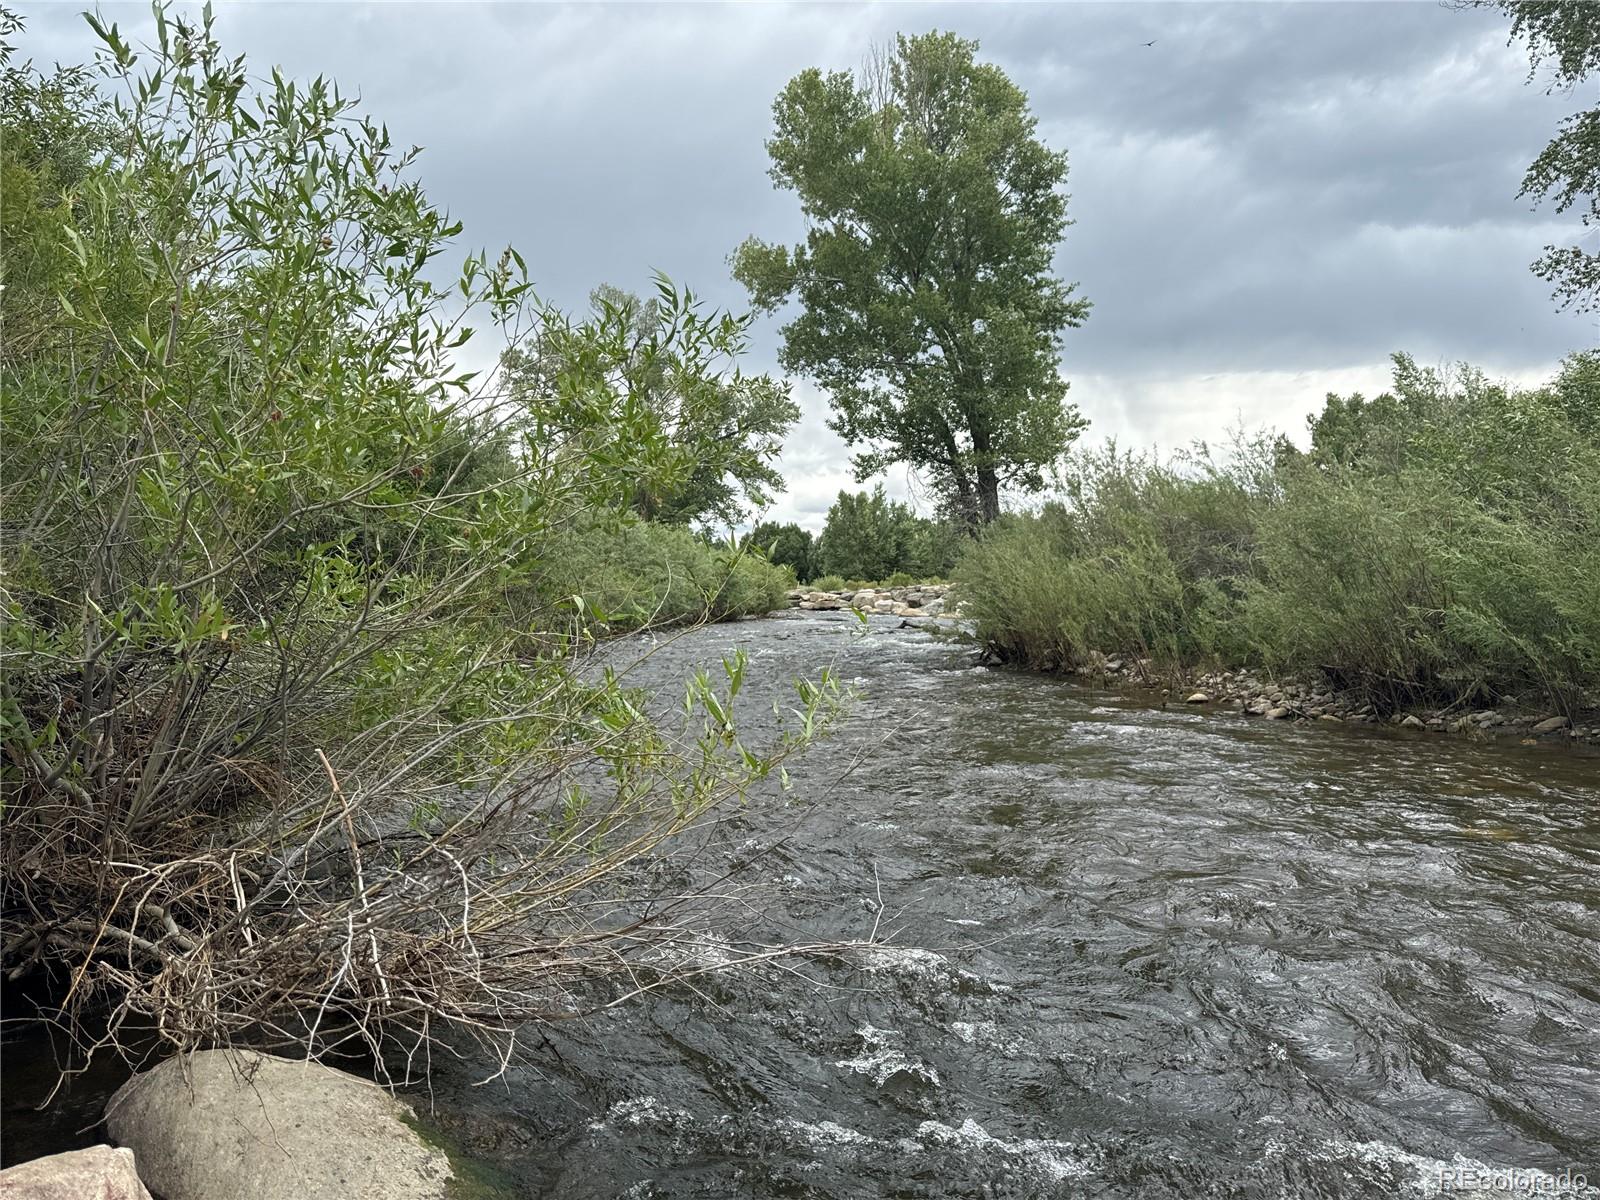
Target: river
column 1134, row 952
column 1129, row 952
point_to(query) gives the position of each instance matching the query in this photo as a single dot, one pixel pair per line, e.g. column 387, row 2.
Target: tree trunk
column 967, row 509
column 988, row 494
column 988, row 477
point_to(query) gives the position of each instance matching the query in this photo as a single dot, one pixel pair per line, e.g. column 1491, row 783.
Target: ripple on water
column 1208, row 956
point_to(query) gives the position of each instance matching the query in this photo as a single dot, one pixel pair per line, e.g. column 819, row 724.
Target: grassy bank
column 1437, row 544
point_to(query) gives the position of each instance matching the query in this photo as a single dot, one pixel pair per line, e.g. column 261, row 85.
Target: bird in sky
column 1151, row 42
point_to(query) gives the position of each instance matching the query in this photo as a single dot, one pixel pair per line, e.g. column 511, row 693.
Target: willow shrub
column 1352, row 579
column 633, row 575
column 1441, row 542
column 1457, row 563
column 293, row 747
column 1143, row 557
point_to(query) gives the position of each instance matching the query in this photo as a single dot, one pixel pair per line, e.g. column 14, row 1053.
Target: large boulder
column 257, row 1127
column 98, row 1173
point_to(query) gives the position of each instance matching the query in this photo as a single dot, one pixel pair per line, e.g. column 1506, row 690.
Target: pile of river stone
column 917, row 600
column 1260, row 695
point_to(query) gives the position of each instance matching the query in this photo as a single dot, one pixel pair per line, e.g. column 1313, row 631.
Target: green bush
column 1143, row 557
column 641, row 574
column 1437, row 542
column 1404, row 586
column 829, row 583
column 870, row 537
column 787, row 546
column 292, row 732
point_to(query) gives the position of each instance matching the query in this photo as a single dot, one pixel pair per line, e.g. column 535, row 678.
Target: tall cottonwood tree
column 929, row 307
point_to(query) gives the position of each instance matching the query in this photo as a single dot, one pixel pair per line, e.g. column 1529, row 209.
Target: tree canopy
column 788, row 545
column 660, row 376
column 930, row 310
column 1564, row 35
column 869, row 536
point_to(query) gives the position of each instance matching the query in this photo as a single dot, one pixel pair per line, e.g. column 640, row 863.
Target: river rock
column 1278, row 714
column 1197, row 698
column 250, row 1126
column 98, row 1173
column 1550, row 725
column 1411, row 722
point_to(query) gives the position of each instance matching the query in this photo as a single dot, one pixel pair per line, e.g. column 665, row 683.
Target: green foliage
column 829, row 583
column 1452, row 552
column 1565, row 35
column 54, row 129
column 789, row 546
column 282, row 585
column 930, row 310
column 639, row 574
column 931, row 548
column 660, row 378
column 868, row 536
column 1143, row 556
column 219, row 461
column 1438, row 541
column 864, row 536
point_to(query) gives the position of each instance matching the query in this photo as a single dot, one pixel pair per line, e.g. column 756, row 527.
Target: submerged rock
column 251, row 1126
column 98, row 1173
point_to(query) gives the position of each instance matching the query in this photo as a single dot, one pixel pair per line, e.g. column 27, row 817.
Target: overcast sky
column 1268, row 201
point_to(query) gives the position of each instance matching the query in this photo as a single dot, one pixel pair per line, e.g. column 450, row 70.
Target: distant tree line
column 867, row 537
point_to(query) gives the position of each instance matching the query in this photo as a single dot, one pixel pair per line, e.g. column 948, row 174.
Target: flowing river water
column 1134, row 952
column 1129, row 952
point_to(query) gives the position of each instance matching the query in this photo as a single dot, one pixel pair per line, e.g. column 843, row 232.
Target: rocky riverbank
column 1259, row 694
column 1255, row 693
column 917, row 600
